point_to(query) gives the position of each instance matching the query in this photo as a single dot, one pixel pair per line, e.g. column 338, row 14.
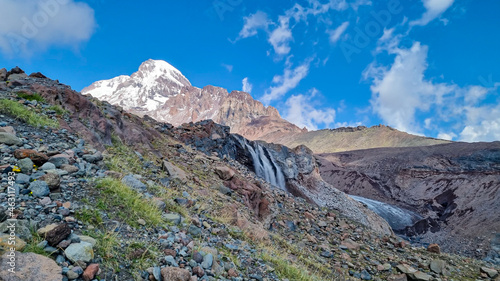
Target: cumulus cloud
column 286, row 82
column 303, row 112
column 253, row 23
column 30, row 26
column 280, row 37
column 337, row 32
column 246, row 86
column 434, row 8
column 399, row 91
column 405, row 99
column 482, row 124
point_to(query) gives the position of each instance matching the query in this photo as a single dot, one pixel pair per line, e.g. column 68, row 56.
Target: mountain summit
column 161, row 91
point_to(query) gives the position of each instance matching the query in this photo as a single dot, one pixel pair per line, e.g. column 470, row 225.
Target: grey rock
column 157, row 273
column 59, row 161
column 22, row 228
column 208, row 260
column 225, row 190
column 3, row 74
column 438, row 266
column 79, row 251
column 17, row 76
column 194, row 230
column 133, row 182
column 22, row 179
column 94, row 158
column 39, row 188
column 25, row 165
column 171, row 261
column 172, row 218
column 48, row 166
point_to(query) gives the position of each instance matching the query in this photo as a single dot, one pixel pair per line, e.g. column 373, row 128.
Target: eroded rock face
column 455, row 187
column 298, row 167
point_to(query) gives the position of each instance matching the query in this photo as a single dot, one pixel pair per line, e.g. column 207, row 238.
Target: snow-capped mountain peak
column 152, row 70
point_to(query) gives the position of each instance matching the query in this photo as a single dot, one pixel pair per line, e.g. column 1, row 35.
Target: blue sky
column 427, row 67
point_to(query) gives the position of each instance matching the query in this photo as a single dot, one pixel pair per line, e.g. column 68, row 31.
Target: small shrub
column 31, row 97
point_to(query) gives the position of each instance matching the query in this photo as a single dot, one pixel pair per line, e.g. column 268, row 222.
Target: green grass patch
column 122, row 158
column 287, row 270
column 127, row 204
column 32, row 245
column 58, row 109
column 89, row 216
column 31, row 97
column 23, row 113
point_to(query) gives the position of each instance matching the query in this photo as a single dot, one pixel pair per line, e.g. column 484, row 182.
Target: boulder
column 492, row 273
column 434, row 248
column 8, row 130
column 437, row 266
column 52, row 180
column 175, row 274
column 3, row 74
column 224, row 173
column 35, row 156
column 39, row 188
column 133, row 182
column 57, row 234
column 90, row 272
column 38, row 75
column 14, row 77
column 31, row 266
column 173, row 171
column 25, row 165
column 9, row 139
column 79, row 252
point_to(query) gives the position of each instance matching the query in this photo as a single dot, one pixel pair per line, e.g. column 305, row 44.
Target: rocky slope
column 160, row 91
column 101, row 194
column 456, row 187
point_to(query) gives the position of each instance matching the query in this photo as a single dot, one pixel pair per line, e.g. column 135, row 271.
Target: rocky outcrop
column 455, row 187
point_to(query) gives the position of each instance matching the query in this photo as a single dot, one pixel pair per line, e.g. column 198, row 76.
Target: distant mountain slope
column 455, row 186
column 352, row 138
column 161, row 91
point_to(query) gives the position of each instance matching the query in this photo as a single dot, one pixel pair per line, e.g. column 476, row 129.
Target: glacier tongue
column 397, row 218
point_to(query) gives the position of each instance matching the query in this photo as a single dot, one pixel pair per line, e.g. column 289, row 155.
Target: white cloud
column 302, row 111
column 406, row 100
column 31, row 26
column 246, row 86
column 253, row 23
column 446, row 136
column 401, row 90
column 482, row 124
column 281, row 37
column 337, row 32
column 286, row 82
column 280, row 33
column 434, row 8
